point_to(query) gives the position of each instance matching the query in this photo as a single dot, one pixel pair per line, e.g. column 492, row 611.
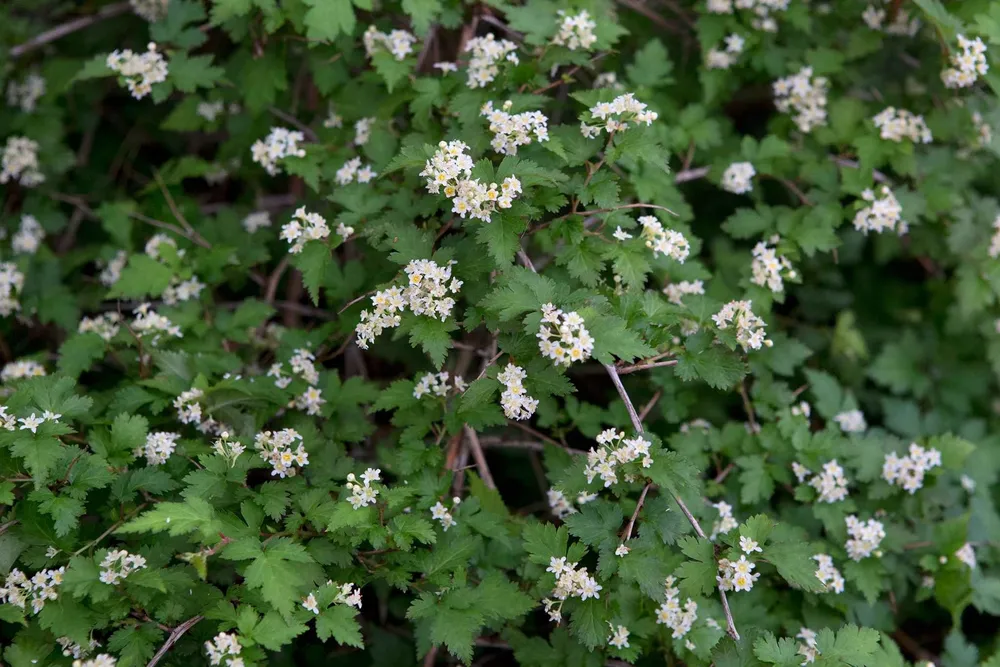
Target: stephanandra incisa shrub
column 515, row 332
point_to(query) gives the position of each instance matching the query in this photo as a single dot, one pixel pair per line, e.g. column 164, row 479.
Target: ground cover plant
column 534, row 332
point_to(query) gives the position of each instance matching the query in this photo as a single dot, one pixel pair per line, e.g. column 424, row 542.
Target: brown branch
column 272, row 282
column 635, row 514
column 177, row 633
column 477, row 453
column 641, row 367
column 691, row 174
column 10, row 524
column 190, row 231
column 292, row 120
column 68, row 28
column 649, row 406
column 748, row 406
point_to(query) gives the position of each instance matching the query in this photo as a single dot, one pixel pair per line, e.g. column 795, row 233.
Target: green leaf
column 192, row 515
column 328, row 19
column 339, row 622
column 189, row 73
column 313, row 262
column 698, row 574
column 79, row 353
column 783, row 652
column 142, row 276
column 652, row 66
column 851, row 646
column 718, row 367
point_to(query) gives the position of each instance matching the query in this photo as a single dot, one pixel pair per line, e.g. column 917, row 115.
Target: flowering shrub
column 522, row 332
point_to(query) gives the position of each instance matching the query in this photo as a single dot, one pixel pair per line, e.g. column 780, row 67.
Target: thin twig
column 635, row 514
column 10, row 524
column 191, row 233
column 691, row 174
column 292, row 120
column 748, row 406
column 641, row 367
column 110, row 530
column 497, row 441
column 272, row 282
column 649, row 406
column 172, row 639
column 477, row 453
column 68, row 28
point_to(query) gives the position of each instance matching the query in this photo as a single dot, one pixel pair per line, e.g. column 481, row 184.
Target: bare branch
column 477, row 454
column 635, row 514
column 68, row 28
column 177, row 633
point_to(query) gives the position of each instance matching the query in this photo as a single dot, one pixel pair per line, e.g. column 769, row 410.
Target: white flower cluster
column 352, row 170
column 968, row 483
column 105, row 660
column 363, row 130
column 19, row 590
column 25, row 95
column 20, row 162
column 575, row 31
column 749, row 328
column 562, row 336
column 983, row 130
column 514, row 400
column 159, row 446
column 28, row 237
column 561, row 506
column 726, row 522
column 187, row 406
column 671, row 614
column 667, row 241
column 70, row 649
column 487, row 52
column 615, row 450
column 808, row 648
column 210, row 111
column 11, row 284
column 736, row 575
column 440, row 512
column 333, row 119
column 30, row 423
column 426, row 294
column 738, row 178
column 302, row 228
column 908, row 472
column 151, row 10
column 619, row 636
column 898, row 124
column 769, row 268
column 118, row 564
column 438, row 384
column 256, row 221
column 828, row 574
column 902, row 25
column 106, row 326
column 803, row 95
column 677, row 291
column 228, row 449
column 347, row 594
column 883, row 213
column 570, row 582
column 449, row 170
column 22, row 368
column 513, row 130
column 615, row 116
column 148, row 321
column 152, row 247
column 966, row 66
column 831, row 484
column 139, row 70
column 363, row 495
column 111, row 271
column 182, row 290
column 967, row 555
column 865, row 537
column 279, row 144
column 222, row 646
column 275, row 447
column 303, row 364
column 725, row 58
column 399, row 43
column 851, row 421
column 762, row 10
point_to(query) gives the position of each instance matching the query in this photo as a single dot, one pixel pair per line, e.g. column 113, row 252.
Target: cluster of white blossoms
column 256, row 221
column 615, row 450
column 576, row 31
column 725, row 58
column 11, row 284
column 967, row 555
column 31, row 422
column 19, row 590
column 514, row 399
column 365, row 494
column 224, row 646
column 118, row 564
column 399, row 43
column 151, row 10
column 70, row 649
column 440, row 512
column 106, row 325
column 667, row 241
column 851, row 421
column 513, row 130
column 20, row 162
column 615, row 116
column 28, row 237
column 229, row 450
column 830, row 483
column 808, row 648
column 363, row 130
column 619, row 636
column 966, row 66
column 738, row 178
column 438, row 384
column 139, row 70
column 159, row 446
column 677, row 291
column 726, row 521
column 898, row 124
column 333, row 119
column 449, row 171
column 561, row 506
column 901, row 24
column 303, row 364
column 148, row 321
column 111, row 270
column 769, row 268
column 984, row 132
column 562, row 336
column 749, row 328
column 570, row 582
column 187, row 406
column 104, row 660
column 182, row 290
column 803, row 95
column 25, row 95
column 21, row 368
column 275, row 447
column 152, row 247
column 352, row 170
column 210, row 111
column 302, row 228
column 864, row 537
column 762, row 9
column 279, row 144
column 736, row 575
column 908, row 472
column 487, row 52
column 347, row 594
column 883, row 213
column 671, row 614
column 828, row 574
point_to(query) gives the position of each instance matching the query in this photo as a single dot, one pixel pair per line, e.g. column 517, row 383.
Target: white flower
column 748, row 545
column 908, row 472
column 967, row 555
column 808, row 648
column 19, row 590
column 487, row 53
column 769, row 268
column 185, row 290
column 881, row 214
column 333, row 119
column 21, row 368
column 671, row 613
column 667, row 241
column 106, row 326
column 804, row 96
column 736, row 575
column 516, row 402
column 898, row 124
column 562, row 336
column 440, row 513
column 622, row 551
column 159, row 446
column 615, row 116
column 726, row 522
column 968, row 484
column 513, row 130
column 111, row 270
column 621, row 235
column 256, row 221
column 967, row 66
column 851, row 421
column 865, row 537
column 363, row 130
column 575, row 31
column 20, row 162
column 827, row 574
column 149, row 321
column 352, row 170
column 30, row 423
column 210, row 111
column 275, row 447
column 830, row 483
column 302, row 228
column 874, row 17
column 279, row 144
column 363, row 495
column 448, row 172
column 221, row 646
column 119, row 564
column 446, row 67
column 139, row 71
column 727, row 57
column 310, row 604
column 25, row 95
column 676, row 291
column 11, row 283
column 619, row 636
column 615, row 451
column 559, row 504
column 749, row 328
column 399, row 43
column 151, row 10
column 343, row 231
column 738, row 178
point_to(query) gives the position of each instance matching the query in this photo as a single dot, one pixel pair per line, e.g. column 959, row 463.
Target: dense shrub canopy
column 505, row 332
